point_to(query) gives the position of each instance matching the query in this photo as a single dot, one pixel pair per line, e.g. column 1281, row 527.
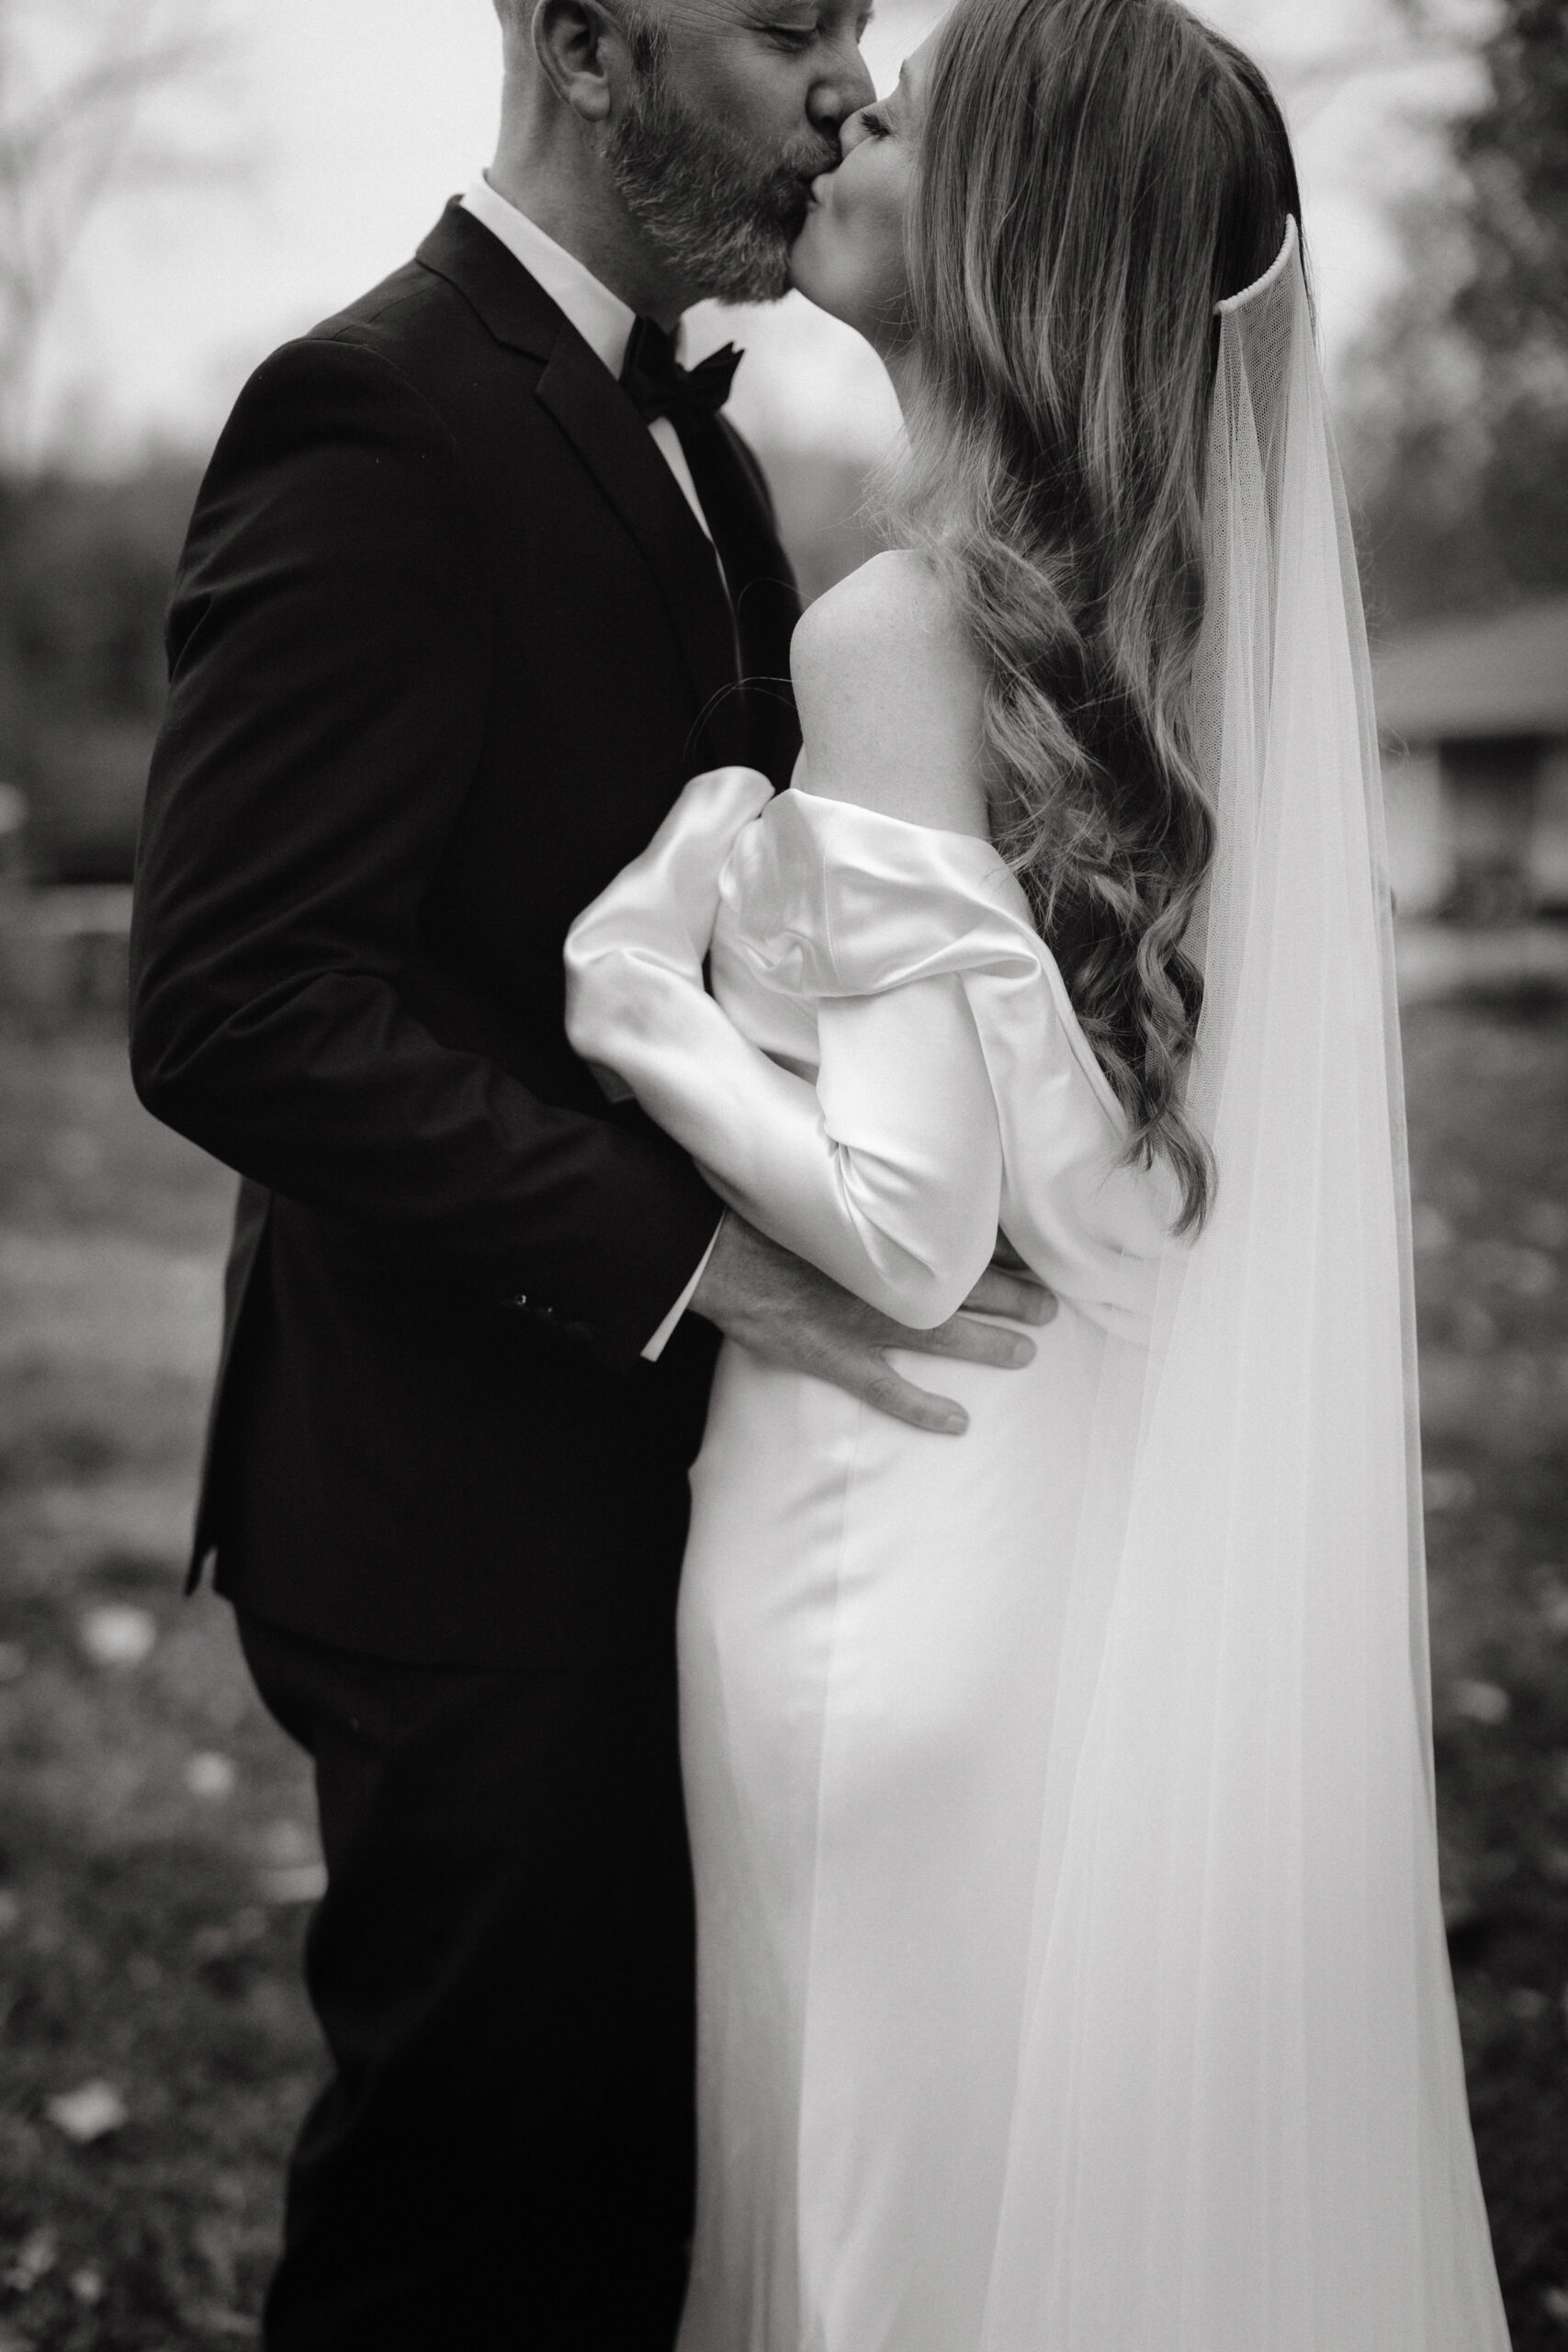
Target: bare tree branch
column 78, row 107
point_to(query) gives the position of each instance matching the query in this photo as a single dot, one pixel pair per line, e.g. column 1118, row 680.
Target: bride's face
column 849, row 257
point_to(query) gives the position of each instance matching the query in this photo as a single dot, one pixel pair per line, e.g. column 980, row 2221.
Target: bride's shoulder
column 890, row 696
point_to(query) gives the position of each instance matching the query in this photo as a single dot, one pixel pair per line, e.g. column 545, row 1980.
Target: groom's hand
column 788, row 1314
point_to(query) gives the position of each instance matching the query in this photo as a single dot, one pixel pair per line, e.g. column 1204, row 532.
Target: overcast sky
column 360, row 117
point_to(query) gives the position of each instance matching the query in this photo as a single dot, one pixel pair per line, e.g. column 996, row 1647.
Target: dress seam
column 810, row 2336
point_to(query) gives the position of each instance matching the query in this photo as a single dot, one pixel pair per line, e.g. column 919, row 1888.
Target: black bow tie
column 659, row 385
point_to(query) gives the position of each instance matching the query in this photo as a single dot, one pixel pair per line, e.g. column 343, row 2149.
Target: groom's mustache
column 790, row 182
column 818, row 156
column 809, row 161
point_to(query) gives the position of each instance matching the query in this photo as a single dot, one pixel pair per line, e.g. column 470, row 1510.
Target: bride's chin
column 802, row 272
column 807, row 272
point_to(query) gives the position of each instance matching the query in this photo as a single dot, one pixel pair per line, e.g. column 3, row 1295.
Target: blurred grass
column 149, row 1933
column 1488, row 1091
column 137, row 1947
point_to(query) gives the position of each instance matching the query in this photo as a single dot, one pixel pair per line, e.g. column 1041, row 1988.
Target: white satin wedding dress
column 1071, row 1972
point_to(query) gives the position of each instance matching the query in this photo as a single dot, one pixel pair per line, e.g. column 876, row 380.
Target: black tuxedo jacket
column 445, row 641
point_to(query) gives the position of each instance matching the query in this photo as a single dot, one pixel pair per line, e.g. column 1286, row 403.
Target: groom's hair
column 643, row 28
column 647, row 35
column 1094, row 177
column 516, row 18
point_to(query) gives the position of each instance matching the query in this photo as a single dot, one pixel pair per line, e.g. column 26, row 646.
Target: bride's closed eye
column 871, row 119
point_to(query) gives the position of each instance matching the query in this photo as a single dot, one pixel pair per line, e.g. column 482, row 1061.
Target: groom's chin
column 767, row 280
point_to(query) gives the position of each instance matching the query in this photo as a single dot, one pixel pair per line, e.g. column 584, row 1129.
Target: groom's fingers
column 851, row 1351
column 972, row 1341
column 1019, row 1296
column 788, row 1314
column 867, row 1372
column 890, row 1392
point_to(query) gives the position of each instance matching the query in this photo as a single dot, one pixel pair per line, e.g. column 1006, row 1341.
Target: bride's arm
column 886, row 1173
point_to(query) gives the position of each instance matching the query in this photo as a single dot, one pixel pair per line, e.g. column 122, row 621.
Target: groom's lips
column 805, row 187
column 803, row 200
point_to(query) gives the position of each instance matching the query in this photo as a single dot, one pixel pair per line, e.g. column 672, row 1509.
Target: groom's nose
column 843, row 85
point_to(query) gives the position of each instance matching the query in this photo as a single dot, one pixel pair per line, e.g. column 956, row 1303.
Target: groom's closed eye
column 791, row 29
column 797, row 36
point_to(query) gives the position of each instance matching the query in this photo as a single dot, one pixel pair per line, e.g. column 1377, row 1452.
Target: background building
column 1473, row 716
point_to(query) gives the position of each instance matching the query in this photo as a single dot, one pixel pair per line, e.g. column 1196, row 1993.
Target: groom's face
column 734, row 109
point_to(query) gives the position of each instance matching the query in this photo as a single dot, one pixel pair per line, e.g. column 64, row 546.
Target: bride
column 1072, row 1976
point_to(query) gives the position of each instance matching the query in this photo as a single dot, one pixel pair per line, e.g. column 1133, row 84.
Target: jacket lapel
column 615, row 444
column 604, row 429
column 766, row 600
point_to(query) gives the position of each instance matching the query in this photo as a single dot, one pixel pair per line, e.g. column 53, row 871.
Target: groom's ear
column 579, row 47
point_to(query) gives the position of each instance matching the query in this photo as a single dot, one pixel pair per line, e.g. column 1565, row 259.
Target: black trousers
column 503, row 1967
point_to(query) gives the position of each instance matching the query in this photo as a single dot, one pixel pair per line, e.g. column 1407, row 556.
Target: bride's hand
column 787, row 1313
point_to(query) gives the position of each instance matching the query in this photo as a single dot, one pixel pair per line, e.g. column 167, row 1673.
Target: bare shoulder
column 890, row 697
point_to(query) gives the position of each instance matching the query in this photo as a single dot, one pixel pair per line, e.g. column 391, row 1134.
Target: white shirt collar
column 601, row 318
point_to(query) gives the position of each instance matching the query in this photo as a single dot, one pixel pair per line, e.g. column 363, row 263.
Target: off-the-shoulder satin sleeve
column 938, row 1086
column 887, row 1171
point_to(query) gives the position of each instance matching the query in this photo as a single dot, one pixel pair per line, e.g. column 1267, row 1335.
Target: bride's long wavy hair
column 1094, row 177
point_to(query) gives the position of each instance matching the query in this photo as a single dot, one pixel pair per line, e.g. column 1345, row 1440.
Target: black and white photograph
column 784, row 1175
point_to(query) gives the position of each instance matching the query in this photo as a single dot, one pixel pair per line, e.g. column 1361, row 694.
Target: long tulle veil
column 1240, row 2119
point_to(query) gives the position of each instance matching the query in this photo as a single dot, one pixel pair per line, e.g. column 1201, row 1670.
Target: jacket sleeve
column 330, row 643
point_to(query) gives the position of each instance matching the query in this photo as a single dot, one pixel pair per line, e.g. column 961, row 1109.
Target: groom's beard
column 720, row 217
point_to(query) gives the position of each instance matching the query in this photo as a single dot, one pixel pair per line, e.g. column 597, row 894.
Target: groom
column 471, row 586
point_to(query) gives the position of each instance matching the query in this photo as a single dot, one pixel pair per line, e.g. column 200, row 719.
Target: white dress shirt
column 606, row 324
column 601, row 318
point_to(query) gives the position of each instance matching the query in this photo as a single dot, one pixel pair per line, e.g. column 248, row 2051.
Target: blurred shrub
column 84, row 575
column 1459, row 400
